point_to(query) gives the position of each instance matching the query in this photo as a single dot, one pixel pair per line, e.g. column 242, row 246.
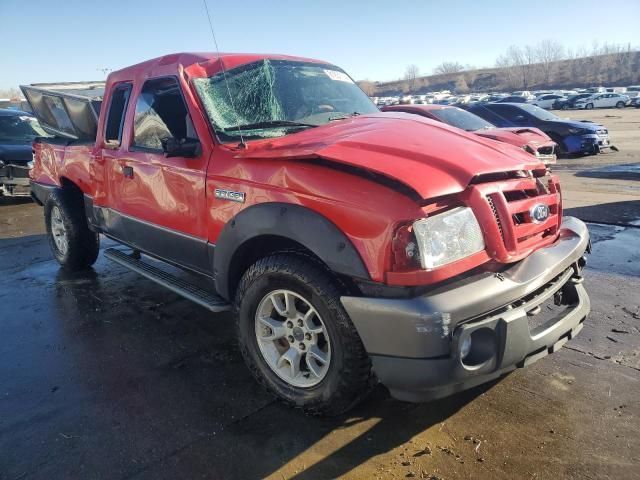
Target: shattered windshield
column 539, row 113
column 20, row 128
column 271, row 98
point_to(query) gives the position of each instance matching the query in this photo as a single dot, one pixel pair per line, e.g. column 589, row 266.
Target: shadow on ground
column 105, row 361
column 19, row 200
column 619, row 213
column 629, row 171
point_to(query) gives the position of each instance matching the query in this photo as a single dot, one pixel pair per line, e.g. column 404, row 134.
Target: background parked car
column 635, row 102
column 603, row 100
column 569, row 102
column 572, row 137
column 17, row 131
column 514, row 99
column 494, row 97
column 532, row 140
column 525, row 94
column 547, row 101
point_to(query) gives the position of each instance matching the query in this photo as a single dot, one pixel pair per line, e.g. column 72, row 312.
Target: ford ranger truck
column 352, row 246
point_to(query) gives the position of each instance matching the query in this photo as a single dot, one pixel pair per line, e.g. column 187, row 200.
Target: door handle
column 127, row 171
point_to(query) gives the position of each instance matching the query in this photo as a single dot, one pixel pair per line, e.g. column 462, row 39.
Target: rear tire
column 73, row 244
column 565, row 107
column 270, row 302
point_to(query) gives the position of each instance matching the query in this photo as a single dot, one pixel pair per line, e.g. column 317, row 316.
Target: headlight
column 448, row 237
column 579, row 131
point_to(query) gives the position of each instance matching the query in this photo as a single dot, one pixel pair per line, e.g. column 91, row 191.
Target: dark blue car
column 572, row 137
column 17, row 131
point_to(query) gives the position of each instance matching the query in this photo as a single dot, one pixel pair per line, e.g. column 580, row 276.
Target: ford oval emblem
column 539, row 213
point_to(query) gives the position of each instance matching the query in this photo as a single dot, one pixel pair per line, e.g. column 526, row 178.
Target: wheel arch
column 267, row 228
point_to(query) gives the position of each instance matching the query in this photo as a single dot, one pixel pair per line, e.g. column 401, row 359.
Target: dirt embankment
column 611, row 70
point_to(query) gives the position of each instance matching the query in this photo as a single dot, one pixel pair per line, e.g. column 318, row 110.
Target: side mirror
column 183, row 147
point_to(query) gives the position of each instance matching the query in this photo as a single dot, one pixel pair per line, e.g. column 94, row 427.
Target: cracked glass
column 271, row 98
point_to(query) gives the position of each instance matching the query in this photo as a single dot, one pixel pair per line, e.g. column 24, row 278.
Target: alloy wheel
column 292, row 338
column 58, row 231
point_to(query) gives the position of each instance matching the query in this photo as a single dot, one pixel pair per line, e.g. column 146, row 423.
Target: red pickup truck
column 353, row 246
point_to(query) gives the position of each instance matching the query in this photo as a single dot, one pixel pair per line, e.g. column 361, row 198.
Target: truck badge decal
column 539, row 213
column 229, row 195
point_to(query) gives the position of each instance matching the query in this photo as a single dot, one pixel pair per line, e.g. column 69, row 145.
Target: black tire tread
column 84, row 245
column 357, row 379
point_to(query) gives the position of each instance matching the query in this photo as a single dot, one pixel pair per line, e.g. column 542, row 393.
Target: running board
column 188, row 290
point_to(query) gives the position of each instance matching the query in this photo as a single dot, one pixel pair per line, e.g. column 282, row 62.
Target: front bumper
column 414, row 344
column 590, row 143
column 14, row 178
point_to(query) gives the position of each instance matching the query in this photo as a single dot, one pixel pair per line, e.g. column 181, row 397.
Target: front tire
column 73, row 244
column 297, row 339
column 589, row 106
column 620, row 105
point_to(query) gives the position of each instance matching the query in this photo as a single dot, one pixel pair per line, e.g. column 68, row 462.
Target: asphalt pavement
column 104, row 375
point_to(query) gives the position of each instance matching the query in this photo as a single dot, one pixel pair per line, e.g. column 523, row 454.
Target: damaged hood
column 16, row 153
column 430, row 157
column 518, row 136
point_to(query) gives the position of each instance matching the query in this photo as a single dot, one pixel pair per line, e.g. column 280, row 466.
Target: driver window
column 511, row 114
column 160, row 114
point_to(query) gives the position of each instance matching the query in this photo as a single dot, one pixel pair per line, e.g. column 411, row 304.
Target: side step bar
column 191, row 292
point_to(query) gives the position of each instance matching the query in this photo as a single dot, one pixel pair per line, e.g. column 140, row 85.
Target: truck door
column 159, row 200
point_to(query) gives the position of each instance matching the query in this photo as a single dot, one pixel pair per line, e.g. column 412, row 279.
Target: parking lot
column 105, row 375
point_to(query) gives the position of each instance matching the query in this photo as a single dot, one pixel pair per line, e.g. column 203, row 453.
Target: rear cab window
column 116, row 115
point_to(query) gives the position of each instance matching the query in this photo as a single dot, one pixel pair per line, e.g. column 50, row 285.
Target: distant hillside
column 619, row 69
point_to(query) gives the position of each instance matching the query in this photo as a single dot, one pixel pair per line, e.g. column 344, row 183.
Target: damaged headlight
column 448, row 237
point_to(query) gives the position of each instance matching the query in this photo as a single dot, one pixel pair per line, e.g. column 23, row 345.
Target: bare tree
column 11, row 93
column 521, row 61
column 410, row 75
column 461, row 85
column 367, row 87
column 506, row 71
column 530, row 65
column 448, row 67
column 547, row 52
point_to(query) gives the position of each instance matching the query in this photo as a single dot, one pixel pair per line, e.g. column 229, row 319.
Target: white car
column 525, row 94
column 603, row 100
column 633, row 91
column 546, row 101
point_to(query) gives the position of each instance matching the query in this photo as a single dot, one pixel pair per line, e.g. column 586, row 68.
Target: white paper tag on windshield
column 340, row 76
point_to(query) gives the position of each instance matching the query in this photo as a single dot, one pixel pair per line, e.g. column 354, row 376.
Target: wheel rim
column 58, row 231
column 292, row 338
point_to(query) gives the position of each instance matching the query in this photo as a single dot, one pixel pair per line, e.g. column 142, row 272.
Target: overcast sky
column 70, row 40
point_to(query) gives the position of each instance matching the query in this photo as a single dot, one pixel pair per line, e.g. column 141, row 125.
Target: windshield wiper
column 343, row 117
column 268, row 124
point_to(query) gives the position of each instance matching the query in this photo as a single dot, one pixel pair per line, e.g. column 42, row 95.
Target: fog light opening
column 478, row 348
column 465, row 347
column 582, row 262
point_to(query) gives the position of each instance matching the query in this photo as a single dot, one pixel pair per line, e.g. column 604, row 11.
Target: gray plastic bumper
column 40, row 192
column 414, row 343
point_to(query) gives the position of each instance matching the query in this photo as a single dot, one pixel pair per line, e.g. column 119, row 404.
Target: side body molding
column 292, row 222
